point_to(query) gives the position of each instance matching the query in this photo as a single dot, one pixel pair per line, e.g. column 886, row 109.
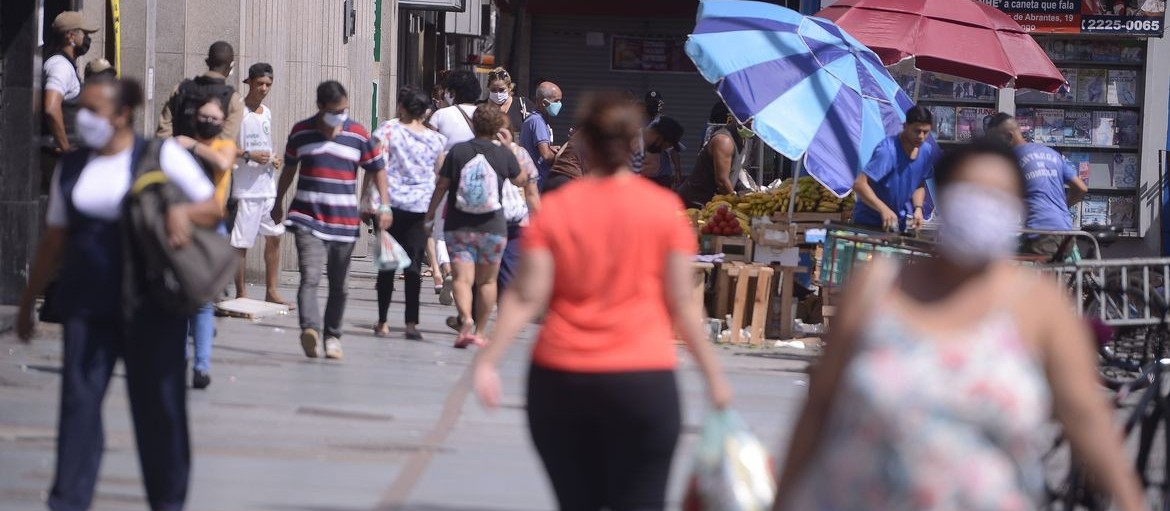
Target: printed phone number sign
column 1113, row 17
column 650, row 54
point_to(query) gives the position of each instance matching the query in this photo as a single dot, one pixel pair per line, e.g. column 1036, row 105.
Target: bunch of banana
column 811, row 197
column 758, row 204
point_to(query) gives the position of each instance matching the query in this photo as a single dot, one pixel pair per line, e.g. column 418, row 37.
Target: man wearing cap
column 62, row 88
column 669, row 166
column 178, row 114
column 660, row 140
column 254, row 183
column 99, row 68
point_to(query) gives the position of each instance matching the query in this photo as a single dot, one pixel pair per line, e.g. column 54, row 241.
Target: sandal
column 466, row 336
column 381, row 330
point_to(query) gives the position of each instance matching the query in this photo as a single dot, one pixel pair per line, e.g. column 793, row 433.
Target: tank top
column 700, row 186
column 929, row 421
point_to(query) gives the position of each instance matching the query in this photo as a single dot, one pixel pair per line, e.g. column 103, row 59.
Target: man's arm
column 235, row 116
column 1077, row 190
column 918, row 201
column 56, row 118
column 166, row 120
column 282, row 186
column 547, row 152
column 866, row 195
column 722, row 151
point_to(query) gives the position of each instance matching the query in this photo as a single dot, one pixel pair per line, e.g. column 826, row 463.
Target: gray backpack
column 180, row 280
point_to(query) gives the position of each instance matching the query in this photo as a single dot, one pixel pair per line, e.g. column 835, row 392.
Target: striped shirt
column 326, row 201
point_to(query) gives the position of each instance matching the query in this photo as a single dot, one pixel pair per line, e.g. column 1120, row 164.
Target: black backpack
column 187, row 100
column 180, row 280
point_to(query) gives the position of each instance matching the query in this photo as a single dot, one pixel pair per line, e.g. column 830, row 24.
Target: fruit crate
column 733, row 248
column 802, row 222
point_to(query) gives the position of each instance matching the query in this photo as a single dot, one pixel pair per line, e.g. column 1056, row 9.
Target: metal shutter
column 560, row 54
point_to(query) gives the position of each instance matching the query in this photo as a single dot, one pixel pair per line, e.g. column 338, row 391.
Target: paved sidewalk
column 278, row 431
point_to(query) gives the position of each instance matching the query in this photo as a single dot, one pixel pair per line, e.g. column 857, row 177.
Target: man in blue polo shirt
column 1046, row 173
column 891, row 190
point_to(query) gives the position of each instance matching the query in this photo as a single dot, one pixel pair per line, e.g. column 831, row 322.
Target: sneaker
column 447, row 294
column 333, row 348
column 309, row 339
column 200, row 379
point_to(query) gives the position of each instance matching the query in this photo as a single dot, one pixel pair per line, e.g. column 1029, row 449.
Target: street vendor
column 718, row 165
column 1046, row 173
column 891, row 190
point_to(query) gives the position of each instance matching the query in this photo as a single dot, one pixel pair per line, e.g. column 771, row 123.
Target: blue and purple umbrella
column 810, row 89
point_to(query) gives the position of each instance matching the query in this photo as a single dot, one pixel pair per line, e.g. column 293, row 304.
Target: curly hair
column 487, row 120
column 463, row 85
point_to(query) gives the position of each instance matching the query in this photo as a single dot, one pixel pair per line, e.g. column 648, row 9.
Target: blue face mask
column 554, row 108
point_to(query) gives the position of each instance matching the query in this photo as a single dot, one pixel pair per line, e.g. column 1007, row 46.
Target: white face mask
column 979, row 225
column 95, row 130
column 335, row 120
column 499, row 98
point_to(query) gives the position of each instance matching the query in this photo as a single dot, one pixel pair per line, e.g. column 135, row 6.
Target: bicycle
column 1149, row 394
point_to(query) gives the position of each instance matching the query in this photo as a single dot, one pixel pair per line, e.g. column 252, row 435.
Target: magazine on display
column 1078, row 127
column 1080, row 162
column 1125, row 170
column 971, row 122
column 1104, row 128
column 1091, row 86
column 1026, row 119
column 1131, row 52
column 1129, row 128
column 1122, row 87
column 944, row 122
column 1121, row 212
column 1095, row 210
column 1049, row 126
column 1068, row 93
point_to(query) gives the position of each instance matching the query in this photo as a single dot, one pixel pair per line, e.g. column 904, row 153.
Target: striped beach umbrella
column 811, row 90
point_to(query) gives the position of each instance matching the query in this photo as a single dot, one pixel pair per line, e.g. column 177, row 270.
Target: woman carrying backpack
column 475, row 228
column 83, row 242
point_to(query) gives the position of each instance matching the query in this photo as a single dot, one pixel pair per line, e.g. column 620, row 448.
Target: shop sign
column 631, row 53
column 1108, row 17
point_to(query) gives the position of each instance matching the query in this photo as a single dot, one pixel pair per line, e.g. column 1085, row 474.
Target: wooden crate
column 744, row 275
column 733, row 248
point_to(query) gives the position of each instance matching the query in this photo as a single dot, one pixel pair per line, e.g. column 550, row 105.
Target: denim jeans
column 314, row 253
column 201, row 329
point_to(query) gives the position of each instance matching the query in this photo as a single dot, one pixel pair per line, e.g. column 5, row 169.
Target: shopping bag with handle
column 390, row 256
column 733, row 471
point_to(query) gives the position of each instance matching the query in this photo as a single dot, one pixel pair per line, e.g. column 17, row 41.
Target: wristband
column 384, row 209
column 916, row 208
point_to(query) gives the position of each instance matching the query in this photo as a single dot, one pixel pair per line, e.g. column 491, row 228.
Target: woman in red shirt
column 603, row 405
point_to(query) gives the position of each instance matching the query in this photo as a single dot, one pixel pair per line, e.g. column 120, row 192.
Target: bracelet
column 917, row 208
column 384, row 209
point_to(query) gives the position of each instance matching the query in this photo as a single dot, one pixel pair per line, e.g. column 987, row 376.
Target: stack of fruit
column 758, row 204
column 811, row 197
column 724, row 223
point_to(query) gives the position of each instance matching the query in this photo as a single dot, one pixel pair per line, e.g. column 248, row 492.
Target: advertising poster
column 1108, row 17
column 631, row 53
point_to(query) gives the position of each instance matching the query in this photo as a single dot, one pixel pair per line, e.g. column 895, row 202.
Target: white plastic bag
column 389, row 255
column 733, row 471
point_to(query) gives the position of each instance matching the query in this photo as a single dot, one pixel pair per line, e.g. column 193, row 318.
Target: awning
column 433, row 5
